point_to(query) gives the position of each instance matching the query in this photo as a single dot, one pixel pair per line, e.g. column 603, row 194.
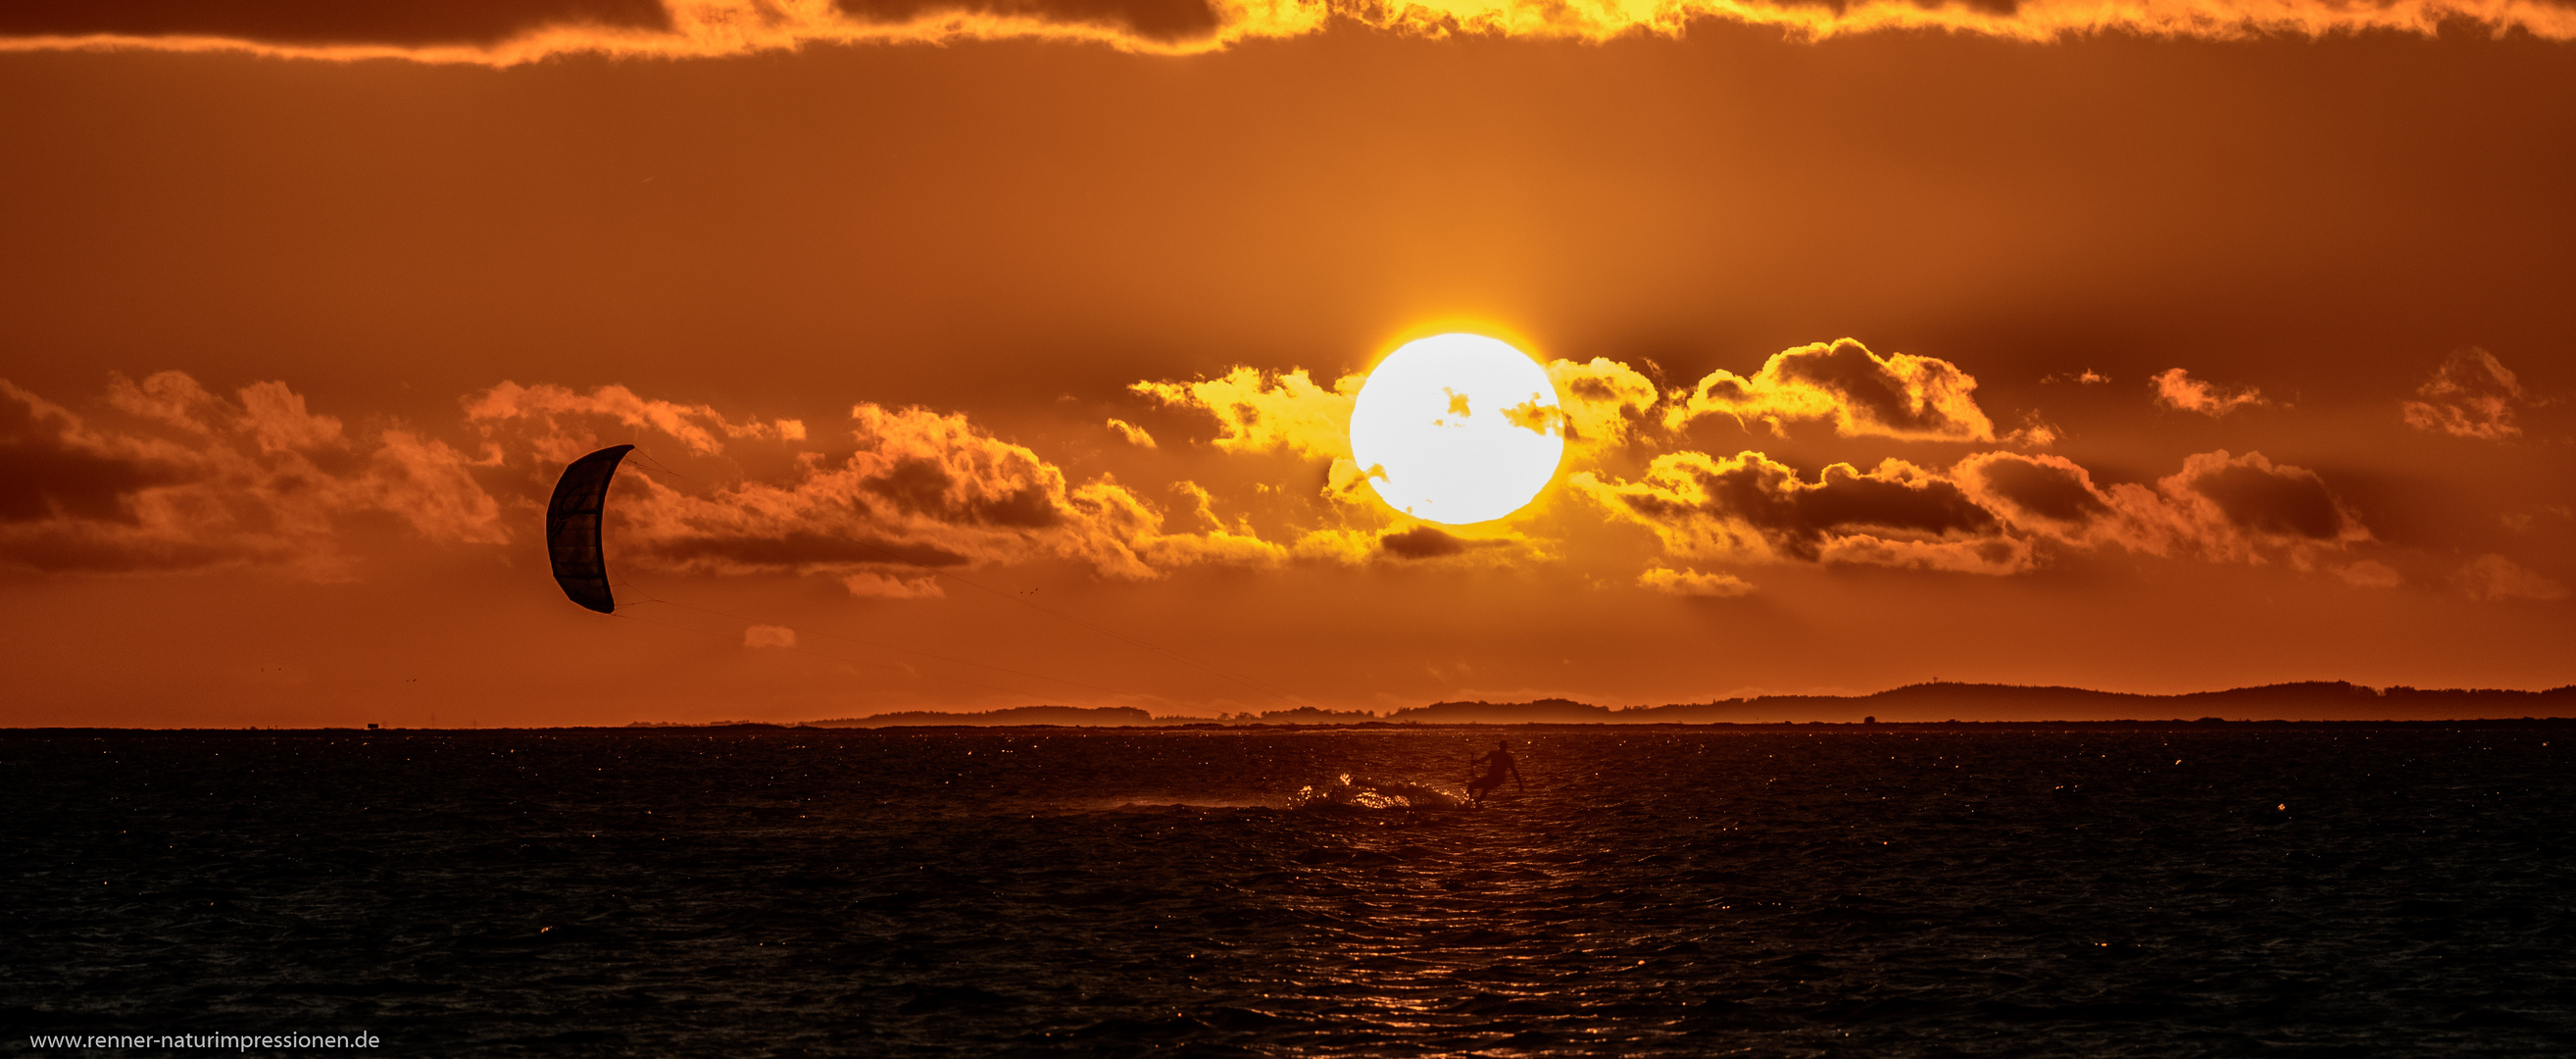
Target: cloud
column 165, row 475
column 768, row 636
column 1751, row 508
column 2260, row 498
column 543, row 408
column 1693, row 583
column 2034, row 490
column 168, row 476
column 420, row 24
column 1341, row 545
column 2087, row 377
column 2494, row 578
column 516, row 31
column 2471, row 395
column 429, row 485
column 2176, row 389
column 1990, row 513
column 1133, row 434
column 503, row 32
column 1288, row 412
column 2030, row 20
column 1415, row 545
column 51, row 467
column 1599, row 406
column 2371, row 574
column 1421, row 542
column 2218, row 507
column 880, row 586
column 1157, row 21
column 1993, row 555
column 1603, row 401
column 794, row 549
column 923, row 491
column 1865, row 394
column 1260, row 411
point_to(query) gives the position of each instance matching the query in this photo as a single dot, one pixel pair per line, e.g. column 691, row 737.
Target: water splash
column 1348, row 792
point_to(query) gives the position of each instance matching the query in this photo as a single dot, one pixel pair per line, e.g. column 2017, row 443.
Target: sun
column 1457, row 428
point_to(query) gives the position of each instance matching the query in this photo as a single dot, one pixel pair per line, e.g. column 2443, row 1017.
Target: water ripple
column 2146, row 892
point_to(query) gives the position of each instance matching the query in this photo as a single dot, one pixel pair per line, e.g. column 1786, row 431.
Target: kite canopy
column 572, row 528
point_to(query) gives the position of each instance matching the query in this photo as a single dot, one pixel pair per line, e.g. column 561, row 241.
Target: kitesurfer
column 1497, row 765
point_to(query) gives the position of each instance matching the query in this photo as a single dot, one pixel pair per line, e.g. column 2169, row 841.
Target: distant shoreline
column 1917, row 706
column 1928, row 703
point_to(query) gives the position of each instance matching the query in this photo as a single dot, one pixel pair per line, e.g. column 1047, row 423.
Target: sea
column 2164, row 890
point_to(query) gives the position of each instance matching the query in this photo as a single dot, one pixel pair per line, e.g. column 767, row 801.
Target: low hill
column 2322, row 700
column 1069, row 716
column 2308, row 701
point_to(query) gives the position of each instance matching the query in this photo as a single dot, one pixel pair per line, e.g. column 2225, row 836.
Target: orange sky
column 2214, row 356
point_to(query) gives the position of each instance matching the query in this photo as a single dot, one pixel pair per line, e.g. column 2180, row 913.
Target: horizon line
column 2291, row 698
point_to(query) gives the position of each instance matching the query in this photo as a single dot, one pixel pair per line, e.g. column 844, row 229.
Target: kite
column 572, row 528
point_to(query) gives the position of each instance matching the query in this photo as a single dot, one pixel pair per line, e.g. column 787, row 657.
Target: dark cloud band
column 395, row 23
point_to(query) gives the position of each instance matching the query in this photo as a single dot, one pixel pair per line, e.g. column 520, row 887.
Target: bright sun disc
column 1457, row 428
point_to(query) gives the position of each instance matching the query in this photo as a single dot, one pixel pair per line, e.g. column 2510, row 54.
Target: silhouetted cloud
column 511, row 31
column 1421, row 542
column 1863, row 393
column 167, row 476
column 1749, row 507
column 2472, row 395
column 46, row 471
column 1415, row 546
column 2258, row 497
column 2219, row 507
column 392, row 23
column 2029, row 489
column 1987, row 514
column 2176, row 389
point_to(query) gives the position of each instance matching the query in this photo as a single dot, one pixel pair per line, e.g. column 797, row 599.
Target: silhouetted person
column 1497, row 765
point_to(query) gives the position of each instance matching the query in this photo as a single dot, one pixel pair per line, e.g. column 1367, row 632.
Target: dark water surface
column 1887, row 891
